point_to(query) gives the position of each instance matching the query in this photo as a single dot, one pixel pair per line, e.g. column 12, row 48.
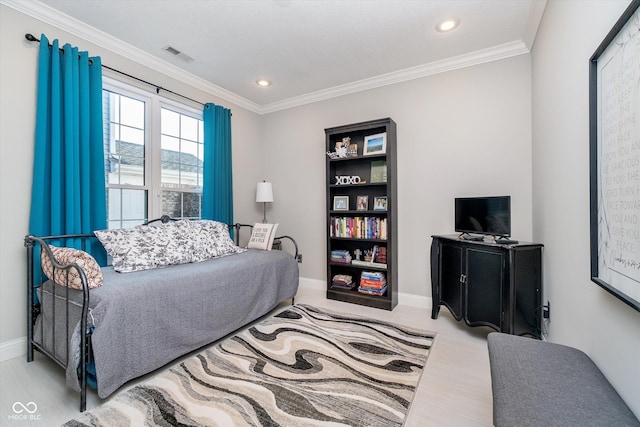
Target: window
column 153, row 156
column 181, row 159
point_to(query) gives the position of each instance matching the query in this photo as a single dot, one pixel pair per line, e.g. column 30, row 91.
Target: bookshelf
column 361, row 213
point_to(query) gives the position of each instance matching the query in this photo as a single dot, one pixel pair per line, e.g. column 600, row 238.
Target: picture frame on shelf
column 340, row 203
column 375, row 144
column 378, row 171
column 380, row 203
column 362, row 203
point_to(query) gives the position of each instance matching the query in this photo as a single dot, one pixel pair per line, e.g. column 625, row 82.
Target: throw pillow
column 262, row 236
column 211, row 239
column 66, row 256
column 148, row 246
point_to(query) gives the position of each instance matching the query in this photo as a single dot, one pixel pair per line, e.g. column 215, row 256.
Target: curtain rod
column 32, row 38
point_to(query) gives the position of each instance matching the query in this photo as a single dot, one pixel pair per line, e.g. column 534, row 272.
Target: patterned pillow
column 211, row 239
column 262, row 236
column 65, row 256
column 148, row 246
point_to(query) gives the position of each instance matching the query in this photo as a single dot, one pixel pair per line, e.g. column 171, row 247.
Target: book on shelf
column 369, row 291
column 382, row 255
column 341, row 256
column 342, row 281
column 370, row 284
column 378, row 171
column 368, row 264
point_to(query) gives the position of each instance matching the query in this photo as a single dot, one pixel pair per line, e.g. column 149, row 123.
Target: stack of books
column 342, row 281
column 372, row 283
column 343, row 257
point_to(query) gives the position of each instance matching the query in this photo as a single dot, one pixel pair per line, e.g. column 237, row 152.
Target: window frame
column 154, row 103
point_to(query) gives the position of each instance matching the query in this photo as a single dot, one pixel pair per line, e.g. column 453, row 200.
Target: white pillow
column 148, row 246
column 211, row 239
column 262, row 236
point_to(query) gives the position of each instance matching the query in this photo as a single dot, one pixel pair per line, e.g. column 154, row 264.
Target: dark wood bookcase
column 352, row 227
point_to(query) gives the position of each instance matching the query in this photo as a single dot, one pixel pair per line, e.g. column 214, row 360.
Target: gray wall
column 583, row 315
column 454, row 129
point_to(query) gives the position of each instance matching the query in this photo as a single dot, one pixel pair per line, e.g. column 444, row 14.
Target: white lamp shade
column 264, row 192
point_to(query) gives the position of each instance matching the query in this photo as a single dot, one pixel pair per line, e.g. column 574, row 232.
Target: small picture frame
column 362, row 203
column 380, row 203
column 340, row 203
column 375, row 144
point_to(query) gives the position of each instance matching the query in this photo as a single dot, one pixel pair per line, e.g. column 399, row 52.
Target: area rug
column 301, row 367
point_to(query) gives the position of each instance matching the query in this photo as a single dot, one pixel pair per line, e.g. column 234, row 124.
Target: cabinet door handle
column 463, row 278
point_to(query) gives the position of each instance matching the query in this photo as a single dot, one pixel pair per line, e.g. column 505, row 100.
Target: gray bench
column 537, row 383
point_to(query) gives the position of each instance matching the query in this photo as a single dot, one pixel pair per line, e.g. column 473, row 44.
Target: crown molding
column 533, row 22
column 495, row 53
column 51, row 16
column 73, row 26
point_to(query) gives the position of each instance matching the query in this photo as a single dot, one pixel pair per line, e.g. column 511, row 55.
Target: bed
column 139, row 321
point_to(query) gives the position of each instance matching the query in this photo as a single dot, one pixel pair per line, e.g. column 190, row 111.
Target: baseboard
column 12, row 349
column 410, row 300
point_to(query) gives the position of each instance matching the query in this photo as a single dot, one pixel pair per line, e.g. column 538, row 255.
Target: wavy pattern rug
column 301, row 367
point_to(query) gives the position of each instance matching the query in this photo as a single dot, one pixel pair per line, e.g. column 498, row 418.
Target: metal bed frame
column 34, row 307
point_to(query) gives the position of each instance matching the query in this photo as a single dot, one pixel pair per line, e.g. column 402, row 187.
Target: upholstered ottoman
column 536, row 383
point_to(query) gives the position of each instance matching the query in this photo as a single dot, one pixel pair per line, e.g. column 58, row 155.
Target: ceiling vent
column 175, row 52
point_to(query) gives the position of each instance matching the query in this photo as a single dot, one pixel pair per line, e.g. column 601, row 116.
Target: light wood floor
column 455, row 389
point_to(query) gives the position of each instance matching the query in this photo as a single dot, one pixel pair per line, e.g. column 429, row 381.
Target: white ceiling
column 309, row 49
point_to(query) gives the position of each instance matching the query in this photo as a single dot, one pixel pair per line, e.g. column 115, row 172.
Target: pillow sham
column 262, row 236
column 148, row 246
column 211, row 239
column 65, row 256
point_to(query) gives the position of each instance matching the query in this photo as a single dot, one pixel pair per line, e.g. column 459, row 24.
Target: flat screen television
column 483, row 215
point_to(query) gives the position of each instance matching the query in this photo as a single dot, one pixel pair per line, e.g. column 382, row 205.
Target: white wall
column 462, row 133
column 583, row 314
column 18, row 68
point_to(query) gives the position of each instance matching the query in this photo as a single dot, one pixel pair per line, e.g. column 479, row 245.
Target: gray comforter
column 144, row 320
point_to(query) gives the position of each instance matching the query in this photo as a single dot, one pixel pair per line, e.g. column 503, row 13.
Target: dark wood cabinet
column 488, row 284
column 361, row 209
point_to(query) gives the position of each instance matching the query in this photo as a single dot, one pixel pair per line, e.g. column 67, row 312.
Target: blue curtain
column 68, row 192
column 217, row 188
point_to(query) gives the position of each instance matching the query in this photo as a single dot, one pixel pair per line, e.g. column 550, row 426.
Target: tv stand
column 486, row 284
column 469, row 237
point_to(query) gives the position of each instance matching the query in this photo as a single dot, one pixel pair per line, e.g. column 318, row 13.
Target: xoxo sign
column 346, row 179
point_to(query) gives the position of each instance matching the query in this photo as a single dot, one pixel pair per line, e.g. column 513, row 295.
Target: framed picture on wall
column 614, row 117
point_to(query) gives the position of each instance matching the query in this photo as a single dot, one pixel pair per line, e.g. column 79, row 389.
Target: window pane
column 132, row 135
column 170, row 123
column 191, row 205
column 124, row 139
column 172, row 204
column 126, row 207
column 189, row 128
column 131, row 112
column 170, row 143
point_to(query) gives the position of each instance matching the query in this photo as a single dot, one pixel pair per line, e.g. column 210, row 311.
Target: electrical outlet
column 299, row 258
column 546, row 311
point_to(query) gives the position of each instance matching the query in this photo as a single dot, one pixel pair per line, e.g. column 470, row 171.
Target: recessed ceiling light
column 263, row 83
column 447, row 25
